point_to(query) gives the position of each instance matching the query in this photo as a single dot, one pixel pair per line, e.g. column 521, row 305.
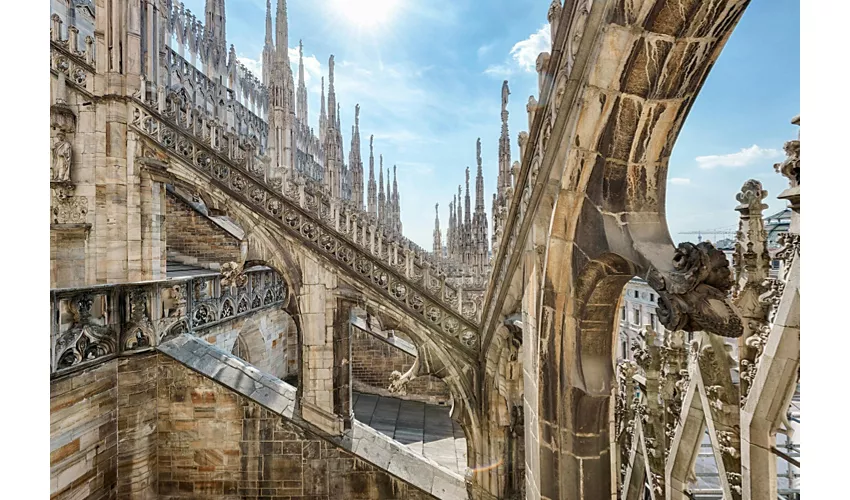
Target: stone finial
column 55, row 27
column 542, row 66
column 790, row 169
column 531, row 109
column 750, row 197
column 554, row 17
column 269, row 39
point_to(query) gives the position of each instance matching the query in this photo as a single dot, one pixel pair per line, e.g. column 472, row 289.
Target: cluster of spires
column 293, row 147
column 296, row 153
column 466, row 236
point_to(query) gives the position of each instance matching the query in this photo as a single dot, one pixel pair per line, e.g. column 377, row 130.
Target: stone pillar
column 152, row 235
column 137, row 426
column 105, row 174
column 342, row 361
column 531, row 409
column 317, row 304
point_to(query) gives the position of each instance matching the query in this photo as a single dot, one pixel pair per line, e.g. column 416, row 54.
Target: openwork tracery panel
column 93, row 324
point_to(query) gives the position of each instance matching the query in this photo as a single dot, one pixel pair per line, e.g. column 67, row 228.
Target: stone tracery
column 521, row 339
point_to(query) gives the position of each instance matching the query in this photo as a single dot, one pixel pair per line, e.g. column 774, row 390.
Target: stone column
column 152, row 236
column 107, row 176
column 342, row 361
column 318, row 304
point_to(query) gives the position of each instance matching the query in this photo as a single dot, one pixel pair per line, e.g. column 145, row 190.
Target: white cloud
column 681, row 181
column 255, row 66
column 525, row 52
column 498, row 70
column 744, row 157
column 523, row 55
column 485, row 49
column 312, row 70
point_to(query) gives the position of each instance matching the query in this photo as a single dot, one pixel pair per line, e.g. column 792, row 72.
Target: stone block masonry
column 216, row 444
column 191, row 234
column 83, row 439
column 137, row 426
column 270, row 338
column 148, row 426
column 374, row 359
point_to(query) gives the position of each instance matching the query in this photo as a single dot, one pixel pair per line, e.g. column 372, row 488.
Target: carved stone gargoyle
column 694, row 296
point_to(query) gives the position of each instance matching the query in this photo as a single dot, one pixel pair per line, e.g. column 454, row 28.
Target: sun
column 365, row 13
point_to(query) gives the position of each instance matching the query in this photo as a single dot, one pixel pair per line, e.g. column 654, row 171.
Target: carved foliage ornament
column 693, row 297
column 87, row 338
column 140, row 332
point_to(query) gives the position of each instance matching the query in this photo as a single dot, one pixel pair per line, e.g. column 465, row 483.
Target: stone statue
column 399, row 381
column 505, row 94
column 61, row 166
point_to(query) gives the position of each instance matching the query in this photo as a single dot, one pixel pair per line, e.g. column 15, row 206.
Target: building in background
column 637, row 310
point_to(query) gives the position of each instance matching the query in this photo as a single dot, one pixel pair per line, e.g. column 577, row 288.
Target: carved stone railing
column 68, row 59
column 553, row 74
column 91, row 325
column 325, row 225
column 234, row 117
column 246, row 151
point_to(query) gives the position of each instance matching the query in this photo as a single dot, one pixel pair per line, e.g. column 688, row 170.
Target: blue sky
column 428, row 76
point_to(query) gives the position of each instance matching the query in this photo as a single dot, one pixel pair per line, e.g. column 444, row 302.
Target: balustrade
column 94, row 324
column 307, row 211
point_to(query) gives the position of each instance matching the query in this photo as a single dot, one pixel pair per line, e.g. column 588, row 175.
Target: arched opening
column 240, row 350
column 417, row 413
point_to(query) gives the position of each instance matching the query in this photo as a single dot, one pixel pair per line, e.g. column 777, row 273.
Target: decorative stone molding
column 311, row 218
column 68, row 209
column 77, row 67
column 92, row 324
column 63, row 118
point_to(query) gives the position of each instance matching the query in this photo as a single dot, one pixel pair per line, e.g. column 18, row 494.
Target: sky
column 428, row 76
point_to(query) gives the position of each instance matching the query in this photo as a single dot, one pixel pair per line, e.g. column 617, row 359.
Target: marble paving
column 423, row 428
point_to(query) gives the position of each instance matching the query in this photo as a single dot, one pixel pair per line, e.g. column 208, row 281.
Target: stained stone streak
column 425, row 429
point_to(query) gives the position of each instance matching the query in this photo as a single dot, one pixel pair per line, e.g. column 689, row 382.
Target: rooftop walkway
column 423, row 428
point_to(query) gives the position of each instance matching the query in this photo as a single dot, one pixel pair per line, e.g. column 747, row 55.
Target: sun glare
column 365, row 13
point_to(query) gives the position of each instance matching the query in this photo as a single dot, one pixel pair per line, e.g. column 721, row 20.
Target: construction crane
column 725, row 231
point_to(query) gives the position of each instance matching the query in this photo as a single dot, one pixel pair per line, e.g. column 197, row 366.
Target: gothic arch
column 439, row 360
column 611, row 117
column 250, row 341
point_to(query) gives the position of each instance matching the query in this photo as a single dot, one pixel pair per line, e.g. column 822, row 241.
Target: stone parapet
column 91, row 325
